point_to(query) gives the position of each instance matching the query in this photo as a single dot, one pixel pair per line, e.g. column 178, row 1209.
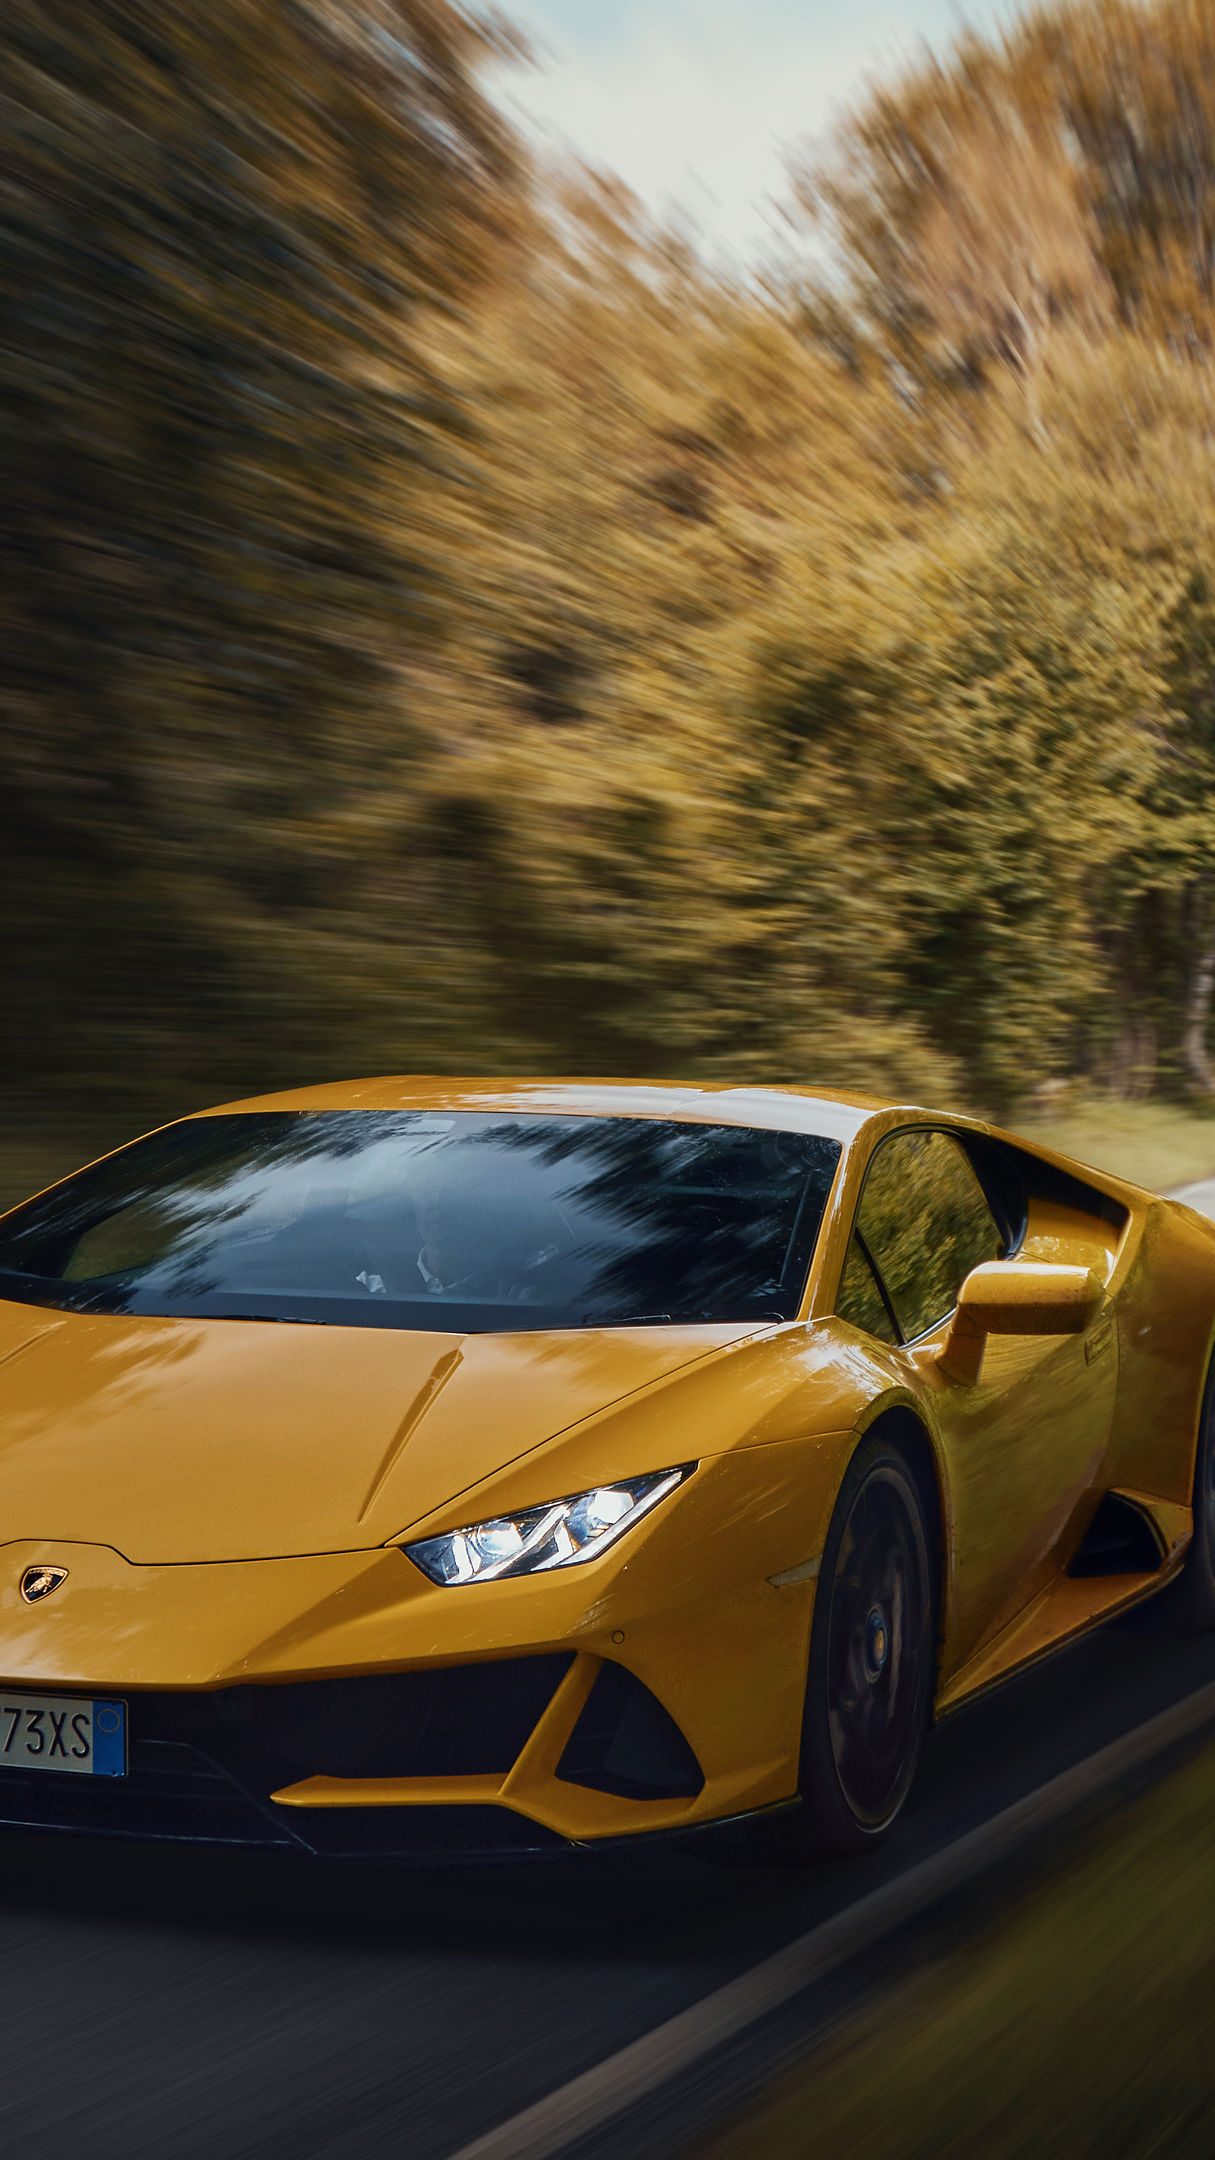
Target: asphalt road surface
column 168, row 2003
column 171, row 2002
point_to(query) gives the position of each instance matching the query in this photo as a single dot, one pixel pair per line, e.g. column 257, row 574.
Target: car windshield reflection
column 457, row 1222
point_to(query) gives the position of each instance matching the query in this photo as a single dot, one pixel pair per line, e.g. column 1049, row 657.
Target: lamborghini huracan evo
column 419, row 1468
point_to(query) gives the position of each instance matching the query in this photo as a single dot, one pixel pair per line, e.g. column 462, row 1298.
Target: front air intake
column 626, row 1743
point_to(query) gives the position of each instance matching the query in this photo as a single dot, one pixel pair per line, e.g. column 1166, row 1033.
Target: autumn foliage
column 445, row 625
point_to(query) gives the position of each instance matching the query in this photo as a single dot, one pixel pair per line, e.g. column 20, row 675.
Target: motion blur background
column 455, row 614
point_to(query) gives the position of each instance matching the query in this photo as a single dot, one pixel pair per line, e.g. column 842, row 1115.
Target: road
column 1200, row 1196
column 162, row 2003
column 156, row 2001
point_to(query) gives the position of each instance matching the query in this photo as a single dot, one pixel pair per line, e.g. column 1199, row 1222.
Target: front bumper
column 446, row 1762
column 343, row 1704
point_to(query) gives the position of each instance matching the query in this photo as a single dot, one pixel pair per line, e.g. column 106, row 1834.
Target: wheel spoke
column 877, row 1649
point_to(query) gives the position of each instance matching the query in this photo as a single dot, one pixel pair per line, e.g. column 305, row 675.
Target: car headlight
column 560, row 1534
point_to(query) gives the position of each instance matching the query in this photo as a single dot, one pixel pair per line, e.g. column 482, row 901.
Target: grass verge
column 1076, row 2026
column 1157, row 1144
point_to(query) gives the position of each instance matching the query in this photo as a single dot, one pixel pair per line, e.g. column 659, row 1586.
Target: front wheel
column 872, row 1659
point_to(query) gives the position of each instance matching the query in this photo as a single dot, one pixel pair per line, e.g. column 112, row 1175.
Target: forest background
column 447, row 624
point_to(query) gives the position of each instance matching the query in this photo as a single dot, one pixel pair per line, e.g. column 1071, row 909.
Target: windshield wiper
column 641, row 1319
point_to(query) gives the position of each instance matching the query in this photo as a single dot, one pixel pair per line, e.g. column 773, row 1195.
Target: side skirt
column 1070, row 1607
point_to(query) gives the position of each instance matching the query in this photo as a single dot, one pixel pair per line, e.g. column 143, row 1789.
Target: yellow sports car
column 419, row 1468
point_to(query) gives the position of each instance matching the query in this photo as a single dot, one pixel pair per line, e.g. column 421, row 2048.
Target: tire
column 1195, row 1606
column 872, row 1668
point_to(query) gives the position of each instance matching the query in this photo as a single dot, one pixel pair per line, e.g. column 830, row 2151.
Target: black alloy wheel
column 872, row 1658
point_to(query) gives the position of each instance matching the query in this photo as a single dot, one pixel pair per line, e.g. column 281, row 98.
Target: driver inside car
column 484, row 1244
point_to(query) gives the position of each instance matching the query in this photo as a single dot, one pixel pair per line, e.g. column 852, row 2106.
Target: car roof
column 836, row 1116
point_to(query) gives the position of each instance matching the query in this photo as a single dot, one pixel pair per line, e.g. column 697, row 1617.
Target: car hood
column 179, row 1440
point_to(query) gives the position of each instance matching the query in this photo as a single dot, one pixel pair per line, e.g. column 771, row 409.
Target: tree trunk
column 1132, row 1058
column 1194, row 1051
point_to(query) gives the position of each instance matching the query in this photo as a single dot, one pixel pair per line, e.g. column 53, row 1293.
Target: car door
column 1021, row 1445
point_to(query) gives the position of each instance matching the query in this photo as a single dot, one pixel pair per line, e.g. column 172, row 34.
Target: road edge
column 591, row 2100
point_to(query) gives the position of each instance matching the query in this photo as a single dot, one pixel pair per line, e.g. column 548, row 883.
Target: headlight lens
column 560, row 1534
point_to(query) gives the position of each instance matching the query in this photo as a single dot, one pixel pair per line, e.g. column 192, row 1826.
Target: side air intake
column 1121, row 1539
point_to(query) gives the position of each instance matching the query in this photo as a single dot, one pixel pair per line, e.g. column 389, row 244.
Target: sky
column 692, row 101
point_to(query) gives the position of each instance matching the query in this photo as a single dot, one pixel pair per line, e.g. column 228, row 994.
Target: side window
column 860, row 1300
column 924, row 1223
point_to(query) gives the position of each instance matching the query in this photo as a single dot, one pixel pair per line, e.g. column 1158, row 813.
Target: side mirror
column 1016, row 1297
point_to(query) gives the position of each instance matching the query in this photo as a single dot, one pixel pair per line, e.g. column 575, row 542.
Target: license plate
column 63, row 1732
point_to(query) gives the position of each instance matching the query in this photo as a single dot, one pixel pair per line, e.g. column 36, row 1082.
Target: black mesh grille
column 169, row 1792
column 203, row 1764
column 451, row 1721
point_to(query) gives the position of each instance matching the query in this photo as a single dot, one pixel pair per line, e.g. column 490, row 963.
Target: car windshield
column 457, row 1222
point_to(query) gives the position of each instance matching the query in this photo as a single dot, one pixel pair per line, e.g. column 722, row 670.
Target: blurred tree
column 1135, row 91
column 1024, row 217
column 658, row 839
column 1049, row 177
column 959, row 214
column 446, row 624
column 220, row 229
